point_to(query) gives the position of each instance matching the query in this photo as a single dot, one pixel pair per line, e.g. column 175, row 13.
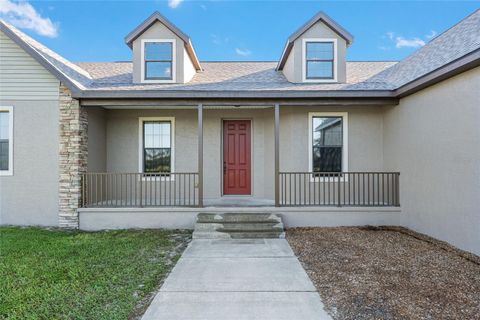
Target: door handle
column 224, row 167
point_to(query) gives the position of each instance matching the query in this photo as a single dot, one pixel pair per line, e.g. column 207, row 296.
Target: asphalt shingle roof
column 458, row 41
column 463, row 38
column 231, row 76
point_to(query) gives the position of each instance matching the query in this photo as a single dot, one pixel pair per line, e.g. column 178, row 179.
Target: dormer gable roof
column 157, row 17
column 320, row 16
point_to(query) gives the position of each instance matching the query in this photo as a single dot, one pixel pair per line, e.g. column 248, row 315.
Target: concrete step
column 238, row 226
column 237, row 217
column 252, row 227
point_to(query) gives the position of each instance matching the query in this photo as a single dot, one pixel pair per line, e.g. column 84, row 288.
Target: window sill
column 157, row 81
column 6, row 173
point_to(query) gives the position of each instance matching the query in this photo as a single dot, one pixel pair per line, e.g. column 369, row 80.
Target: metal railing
column 113, row 190
column 339, row 189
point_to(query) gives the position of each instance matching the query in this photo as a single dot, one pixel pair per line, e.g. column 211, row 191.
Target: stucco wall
column 97, row 135
column 30, row 196
column 365, row 142
column 293, row 66
column 433, row 139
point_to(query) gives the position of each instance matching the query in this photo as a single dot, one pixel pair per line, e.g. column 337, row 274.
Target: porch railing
column 339, row 189
column 113, row 190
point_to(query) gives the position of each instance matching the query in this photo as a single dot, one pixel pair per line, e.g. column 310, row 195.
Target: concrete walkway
column 237, row 279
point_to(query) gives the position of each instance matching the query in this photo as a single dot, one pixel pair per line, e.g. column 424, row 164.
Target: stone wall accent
column 73, row 157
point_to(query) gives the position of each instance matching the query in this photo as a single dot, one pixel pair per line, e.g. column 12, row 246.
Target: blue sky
column 232, row 30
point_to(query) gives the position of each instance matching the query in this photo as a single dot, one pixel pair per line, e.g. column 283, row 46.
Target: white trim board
column 140, row 141
column 174, row 61
column 344, row 115
column 304, row 60
column 9, row 172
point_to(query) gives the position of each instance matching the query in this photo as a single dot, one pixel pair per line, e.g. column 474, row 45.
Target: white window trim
column 304, row 60
column 174, row 62
column 9, row 172
column 344, row 115
column 141, row 120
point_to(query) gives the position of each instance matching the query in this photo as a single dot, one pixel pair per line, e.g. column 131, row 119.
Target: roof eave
column 462, row 64
column 271, row 94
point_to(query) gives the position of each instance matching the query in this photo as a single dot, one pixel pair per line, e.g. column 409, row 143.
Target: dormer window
column 158, row 61
column 319, row 60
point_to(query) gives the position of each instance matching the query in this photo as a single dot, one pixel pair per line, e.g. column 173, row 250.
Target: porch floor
column 238, row 201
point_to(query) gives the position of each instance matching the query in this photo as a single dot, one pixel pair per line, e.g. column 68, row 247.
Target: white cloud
column 215, row 39
column 243, row 52
column 401, row 42
column 431, row 35
column 390, row 35
column 174, row 3
column 23, row 15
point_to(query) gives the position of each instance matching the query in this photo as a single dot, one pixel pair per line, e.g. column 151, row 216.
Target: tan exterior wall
column 293, row 66
column 365, row 142
column 184, row 65
column 97, row 148
column 22, row 77
column 433, row 138
column 30, row 195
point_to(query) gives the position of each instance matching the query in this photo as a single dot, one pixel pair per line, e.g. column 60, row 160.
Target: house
column 318, row 139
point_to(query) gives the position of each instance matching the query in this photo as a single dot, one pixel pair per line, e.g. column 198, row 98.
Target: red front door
column 236, row 157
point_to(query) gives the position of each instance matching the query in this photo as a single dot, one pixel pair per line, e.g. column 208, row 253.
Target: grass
column 54, row 274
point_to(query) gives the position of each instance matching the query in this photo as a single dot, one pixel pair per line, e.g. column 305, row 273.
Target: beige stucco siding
column 22, row 77
column 97, row 148
column 433, row 139
column 30, row 196
column 365, row 142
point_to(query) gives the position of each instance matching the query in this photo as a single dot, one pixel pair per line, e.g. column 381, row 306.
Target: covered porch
column 271, row 158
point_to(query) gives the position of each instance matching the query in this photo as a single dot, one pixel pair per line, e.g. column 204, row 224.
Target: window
column 319, row 60
column 157, row 145
column 6, row 140
column 328, row 142
column 158, row 60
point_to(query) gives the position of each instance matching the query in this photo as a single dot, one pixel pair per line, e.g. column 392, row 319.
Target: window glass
column 158, row 51
column 319, row 69
column 320, row 50
column 158, row 70
column 158, row 60
column 327, row 144
column 157, row 146
column 319, row 60
column 4, row 139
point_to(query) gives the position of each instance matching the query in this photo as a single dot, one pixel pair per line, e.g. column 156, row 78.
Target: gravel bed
column 388, row 273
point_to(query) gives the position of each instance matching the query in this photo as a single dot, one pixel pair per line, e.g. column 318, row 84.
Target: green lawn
column 53, row 274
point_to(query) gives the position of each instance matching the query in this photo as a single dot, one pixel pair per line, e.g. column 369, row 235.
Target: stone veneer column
column 73, row 157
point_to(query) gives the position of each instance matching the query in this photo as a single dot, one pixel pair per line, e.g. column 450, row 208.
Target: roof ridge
column 453, row 26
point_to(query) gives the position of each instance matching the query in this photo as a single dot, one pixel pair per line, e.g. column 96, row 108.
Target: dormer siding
column 294, row 68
